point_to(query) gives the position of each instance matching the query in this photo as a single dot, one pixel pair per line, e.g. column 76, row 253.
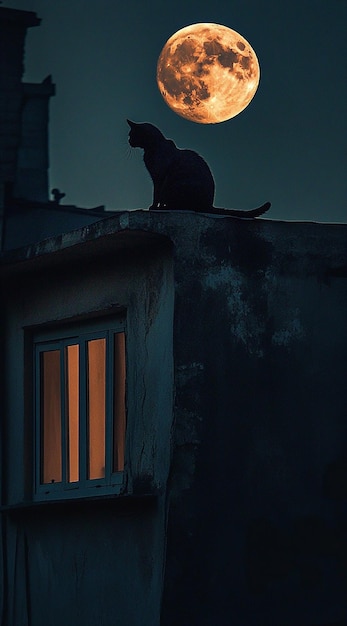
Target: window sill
column 75, row 491
column 120, row 501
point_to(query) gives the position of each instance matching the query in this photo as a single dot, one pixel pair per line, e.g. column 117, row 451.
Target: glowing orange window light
column 72, row 408
column 51, row 468
column 96, row 351
column 74, row 427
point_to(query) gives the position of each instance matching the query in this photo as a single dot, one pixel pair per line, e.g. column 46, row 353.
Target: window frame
column 58, row 338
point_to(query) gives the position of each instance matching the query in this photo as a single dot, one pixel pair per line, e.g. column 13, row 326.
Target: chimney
column 13, row 27
column 23, row 116
column 31, row 179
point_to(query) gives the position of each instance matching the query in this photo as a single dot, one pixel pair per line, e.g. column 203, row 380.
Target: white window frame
column 57, row 339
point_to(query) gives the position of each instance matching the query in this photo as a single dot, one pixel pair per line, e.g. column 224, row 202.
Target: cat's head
column 144, row 135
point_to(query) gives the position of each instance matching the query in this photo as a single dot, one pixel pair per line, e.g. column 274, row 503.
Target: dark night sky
column 287, row 146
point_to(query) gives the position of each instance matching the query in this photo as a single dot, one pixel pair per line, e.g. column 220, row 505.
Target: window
column 80, row 411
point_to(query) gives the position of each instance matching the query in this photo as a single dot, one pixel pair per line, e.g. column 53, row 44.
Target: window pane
column 96, row 352
column 119, row 403
column 72, row 411
column 51, row 464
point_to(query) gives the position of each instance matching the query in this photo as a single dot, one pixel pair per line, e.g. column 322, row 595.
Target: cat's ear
column 131, row 124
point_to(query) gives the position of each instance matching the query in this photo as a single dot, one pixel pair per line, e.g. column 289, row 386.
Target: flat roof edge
column 160, row 225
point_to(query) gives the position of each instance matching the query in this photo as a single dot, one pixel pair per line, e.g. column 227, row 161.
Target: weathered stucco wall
column 100, row 561
column 257, row 517
column 255, row 459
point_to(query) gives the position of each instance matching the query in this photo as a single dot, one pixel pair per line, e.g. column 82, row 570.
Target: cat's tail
column 245, row 214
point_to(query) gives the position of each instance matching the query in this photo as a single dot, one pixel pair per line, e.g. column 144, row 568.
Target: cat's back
column 191, row 162
column 189, row 170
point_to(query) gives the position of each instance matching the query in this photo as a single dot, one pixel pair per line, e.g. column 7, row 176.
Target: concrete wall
column 249, row 524
column 98, row 562
column 257, row 515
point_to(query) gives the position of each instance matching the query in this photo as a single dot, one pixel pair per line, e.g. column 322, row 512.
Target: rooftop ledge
column 28, row 18
column 125, row 230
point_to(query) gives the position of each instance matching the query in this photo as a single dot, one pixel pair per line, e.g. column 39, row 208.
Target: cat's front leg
column 155, row 203
column 153, row 206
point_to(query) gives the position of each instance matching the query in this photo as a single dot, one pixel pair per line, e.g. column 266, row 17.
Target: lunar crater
column 224, row 59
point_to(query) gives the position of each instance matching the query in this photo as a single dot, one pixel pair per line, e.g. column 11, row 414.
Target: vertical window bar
column 38, row 443
column 119, row 407
column 63, row 412
column 109, row 404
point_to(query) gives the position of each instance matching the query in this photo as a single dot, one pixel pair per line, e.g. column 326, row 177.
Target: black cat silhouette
column 182, row 180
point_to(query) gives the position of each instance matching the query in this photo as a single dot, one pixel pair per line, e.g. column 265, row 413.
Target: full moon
column 207, row 73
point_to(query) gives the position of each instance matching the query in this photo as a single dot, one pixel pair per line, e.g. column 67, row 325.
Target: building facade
column 173, row 418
